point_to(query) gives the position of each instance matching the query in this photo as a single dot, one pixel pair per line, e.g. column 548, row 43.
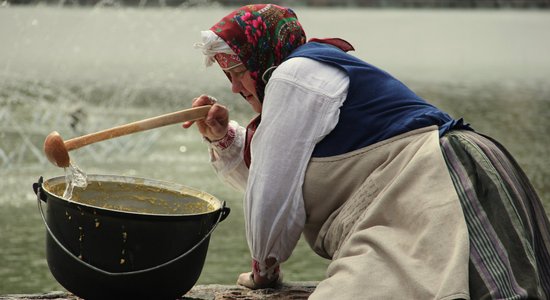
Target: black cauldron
column 136, row 248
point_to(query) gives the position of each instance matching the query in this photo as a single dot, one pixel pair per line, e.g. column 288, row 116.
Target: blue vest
column 377, row 106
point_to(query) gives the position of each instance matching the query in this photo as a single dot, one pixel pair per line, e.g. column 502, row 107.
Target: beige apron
column 389, row 218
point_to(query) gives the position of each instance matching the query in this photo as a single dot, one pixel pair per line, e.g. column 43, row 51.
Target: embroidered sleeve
column 227, row 159
column 226, row 141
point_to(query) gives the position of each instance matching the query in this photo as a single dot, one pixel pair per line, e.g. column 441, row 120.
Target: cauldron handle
column 37, row 187
column 224, row 212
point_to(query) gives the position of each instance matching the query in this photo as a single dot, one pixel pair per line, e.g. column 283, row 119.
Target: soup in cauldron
column 136, row 198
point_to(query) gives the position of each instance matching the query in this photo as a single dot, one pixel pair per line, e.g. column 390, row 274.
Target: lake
column 80, row 70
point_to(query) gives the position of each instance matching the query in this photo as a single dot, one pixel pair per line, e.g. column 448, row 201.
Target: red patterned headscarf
column 262, row 35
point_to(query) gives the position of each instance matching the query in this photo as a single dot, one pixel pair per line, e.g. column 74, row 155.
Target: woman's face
column 242, row 82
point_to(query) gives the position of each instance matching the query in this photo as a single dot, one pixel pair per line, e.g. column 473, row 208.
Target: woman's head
column 258, row 38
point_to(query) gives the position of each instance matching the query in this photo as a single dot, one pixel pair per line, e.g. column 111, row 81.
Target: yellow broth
column 137, row 198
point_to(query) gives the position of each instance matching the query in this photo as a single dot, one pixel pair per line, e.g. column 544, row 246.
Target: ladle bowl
column 55, row 150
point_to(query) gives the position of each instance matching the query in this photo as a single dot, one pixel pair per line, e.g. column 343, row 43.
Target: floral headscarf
column 262, row 35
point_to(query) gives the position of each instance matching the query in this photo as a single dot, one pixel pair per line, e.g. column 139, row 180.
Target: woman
column 407, row 202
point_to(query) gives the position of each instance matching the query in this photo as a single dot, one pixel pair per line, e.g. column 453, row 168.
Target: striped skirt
column 508, row 229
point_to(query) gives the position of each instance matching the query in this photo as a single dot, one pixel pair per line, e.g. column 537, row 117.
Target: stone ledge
column 289, row 290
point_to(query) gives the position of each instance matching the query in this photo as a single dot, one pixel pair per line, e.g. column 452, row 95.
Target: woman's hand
column 214, row 126
column 253, row 280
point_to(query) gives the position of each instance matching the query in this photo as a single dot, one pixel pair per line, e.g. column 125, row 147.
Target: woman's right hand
column 214, row 127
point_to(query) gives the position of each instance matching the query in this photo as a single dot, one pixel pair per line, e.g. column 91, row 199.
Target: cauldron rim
column 180, row 188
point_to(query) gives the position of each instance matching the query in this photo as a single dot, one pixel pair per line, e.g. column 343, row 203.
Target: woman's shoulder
column 311, row 74
column 304, row 66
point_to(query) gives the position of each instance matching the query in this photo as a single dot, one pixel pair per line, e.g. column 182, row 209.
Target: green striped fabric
column 508, row 228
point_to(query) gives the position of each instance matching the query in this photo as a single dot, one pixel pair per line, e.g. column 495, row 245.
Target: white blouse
column 301, row 106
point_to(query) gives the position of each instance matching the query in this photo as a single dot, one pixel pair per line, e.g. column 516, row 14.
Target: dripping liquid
column 74, row 177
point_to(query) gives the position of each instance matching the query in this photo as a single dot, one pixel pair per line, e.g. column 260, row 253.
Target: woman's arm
column 226, row 140
column 301, row 107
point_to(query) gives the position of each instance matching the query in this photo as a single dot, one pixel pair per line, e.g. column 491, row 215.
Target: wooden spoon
column 57, row 151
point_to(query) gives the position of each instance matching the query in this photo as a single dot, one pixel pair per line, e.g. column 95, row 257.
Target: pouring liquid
column 74, row 177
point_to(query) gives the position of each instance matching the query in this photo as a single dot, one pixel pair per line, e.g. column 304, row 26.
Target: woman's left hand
column 253, row 280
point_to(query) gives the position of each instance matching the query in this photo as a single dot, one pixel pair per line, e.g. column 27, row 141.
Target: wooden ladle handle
column 191, row 114
column 57, row 150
